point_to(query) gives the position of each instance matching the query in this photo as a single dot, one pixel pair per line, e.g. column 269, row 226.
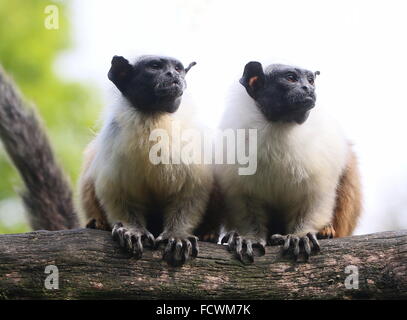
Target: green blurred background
column 69, row 109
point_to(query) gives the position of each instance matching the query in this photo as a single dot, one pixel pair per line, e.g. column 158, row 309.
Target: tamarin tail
column 47, row 196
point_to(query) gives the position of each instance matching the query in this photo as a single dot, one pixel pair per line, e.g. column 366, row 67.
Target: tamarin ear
column 316, row 73
column 190, row 66
column 253, row 77
column 120, row 72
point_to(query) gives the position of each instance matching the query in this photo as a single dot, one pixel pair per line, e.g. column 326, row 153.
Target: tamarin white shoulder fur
column 121, row 189
column 306, row 185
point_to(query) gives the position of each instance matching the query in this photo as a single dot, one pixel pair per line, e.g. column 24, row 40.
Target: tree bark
column 92, row 266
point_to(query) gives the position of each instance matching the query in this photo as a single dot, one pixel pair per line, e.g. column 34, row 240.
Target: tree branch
column 91, row 265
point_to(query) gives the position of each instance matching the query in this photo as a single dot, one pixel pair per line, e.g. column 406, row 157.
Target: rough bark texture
column 92, row 266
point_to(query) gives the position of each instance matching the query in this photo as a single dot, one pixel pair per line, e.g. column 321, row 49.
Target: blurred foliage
column 19, row 227
column 28, row 52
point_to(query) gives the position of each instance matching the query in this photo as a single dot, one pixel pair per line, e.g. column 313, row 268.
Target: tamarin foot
column 132, row 238
column 97, row 224
column 327, row 232
column 297, row 245
column 91, row 224
column 178, row 249
column 243, row 246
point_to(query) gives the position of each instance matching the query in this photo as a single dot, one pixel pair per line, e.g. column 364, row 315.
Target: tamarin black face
column 152, row 84
column 282, row 93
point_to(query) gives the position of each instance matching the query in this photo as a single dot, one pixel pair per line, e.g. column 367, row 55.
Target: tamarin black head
column 282, row 93
column 152, row 83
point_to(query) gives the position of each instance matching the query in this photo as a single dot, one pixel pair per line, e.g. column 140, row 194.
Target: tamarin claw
column 328, row 232
column 243, row 246
column 297, row 245
column 132, row 239
column 178, row 249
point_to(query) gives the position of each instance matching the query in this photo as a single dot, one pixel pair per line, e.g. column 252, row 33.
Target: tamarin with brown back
column 121, row 189
column 306, row 185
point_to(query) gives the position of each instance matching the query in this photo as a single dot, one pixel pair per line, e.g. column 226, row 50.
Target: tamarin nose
column 170, row 74
column 305, row 88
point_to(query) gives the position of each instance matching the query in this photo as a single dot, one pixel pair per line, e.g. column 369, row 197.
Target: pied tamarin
column 306, row 185
column 120, row 188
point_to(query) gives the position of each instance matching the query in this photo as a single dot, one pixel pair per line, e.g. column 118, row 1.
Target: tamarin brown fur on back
column 348, row 201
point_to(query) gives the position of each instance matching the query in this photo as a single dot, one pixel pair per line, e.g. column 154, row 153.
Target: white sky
column 359, row 47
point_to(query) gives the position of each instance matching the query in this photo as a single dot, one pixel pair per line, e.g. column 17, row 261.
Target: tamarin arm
column 181, row 217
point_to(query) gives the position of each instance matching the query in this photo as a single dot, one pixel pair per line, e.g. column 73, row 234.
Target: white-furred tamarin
column 121, row 189
column 306, row 185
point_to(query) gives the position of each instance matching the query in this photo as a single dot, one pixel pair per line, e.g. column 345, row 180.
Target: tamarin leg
column 93, row 211
column 96, row 217
column 248, row 230
column 210, row 227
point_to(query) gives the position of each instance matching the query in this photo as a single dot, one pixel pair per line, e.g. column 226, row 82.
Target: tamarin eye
column 178, row 68
column 291, row 78
column 311, row 81
column 155, row 66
